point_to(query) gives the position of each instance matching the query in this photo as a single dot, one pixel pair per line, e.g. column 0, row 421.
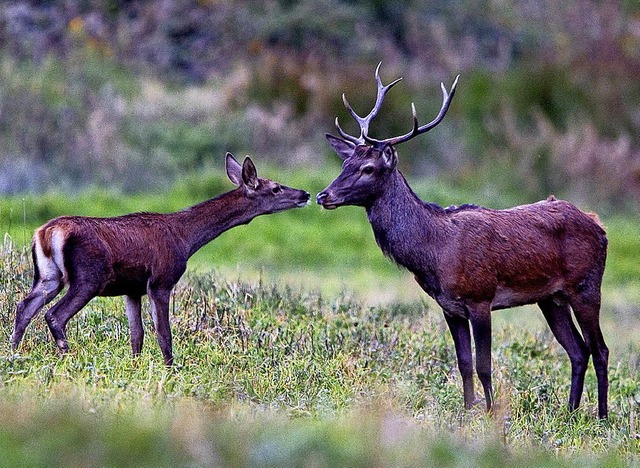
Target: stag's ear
column 234, row 170
column 389, row 157
column 249, row 173
column 344, row 148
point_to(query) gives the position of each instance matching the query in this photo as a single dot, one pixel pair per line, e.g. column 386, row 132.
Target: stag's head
column 367, row 160
column 269, row 195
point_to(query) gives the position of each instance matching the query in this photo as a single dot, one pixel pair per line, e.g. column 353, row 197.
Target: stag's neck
column 202, row 223
column 407, row 229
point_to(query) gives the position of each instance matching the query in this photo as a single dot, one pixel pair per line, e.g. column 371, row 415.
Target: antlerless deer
column 473, row 260
column 138, row 254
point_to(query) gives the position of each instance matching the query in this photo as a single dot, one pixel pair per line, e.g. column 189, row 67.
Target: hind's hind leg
column 76, row 298
column 43, row 292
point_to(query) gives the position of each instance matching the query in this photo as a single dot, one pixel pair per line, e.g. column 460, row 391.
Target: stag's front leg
column 480, row 317
column 159, row 299
column 459, row 327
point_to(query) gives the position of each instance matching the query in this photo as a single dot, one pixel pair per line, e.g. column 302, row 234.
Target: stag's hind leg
column 558, row 315
column 586, row 307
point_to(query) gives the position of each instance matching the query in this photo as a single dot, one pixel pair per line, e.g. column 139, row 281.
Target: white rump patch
column 52, row 268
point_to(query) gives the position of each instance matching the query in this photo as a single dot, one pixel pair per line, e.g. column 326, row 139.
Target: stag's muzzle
column 324, row 199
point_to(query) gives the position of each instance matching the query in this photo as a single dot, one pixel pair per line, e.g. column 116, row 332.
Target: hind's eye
column 368, row 169
column 276, row 189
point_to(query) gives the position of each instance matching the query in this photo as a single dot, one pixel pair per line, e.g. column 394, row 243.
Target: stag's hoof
column 62, row 346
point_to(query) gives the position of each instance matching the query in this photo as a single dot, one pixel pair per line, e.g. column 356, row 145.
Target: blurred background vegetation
column 133, row 95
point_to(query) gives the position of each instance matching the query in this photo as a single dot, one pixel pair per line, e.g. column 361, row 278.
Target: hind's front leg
column 159, row 299
column 133, row 307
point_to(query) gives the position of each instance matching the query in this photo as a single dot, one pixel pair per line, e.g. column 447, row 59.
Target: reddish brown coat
column 472, row 260
column 137, row 254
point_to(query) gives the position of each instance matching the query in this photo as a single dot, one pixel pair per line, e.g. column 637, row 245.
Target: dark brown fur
column 137, row 254
column 473, row 260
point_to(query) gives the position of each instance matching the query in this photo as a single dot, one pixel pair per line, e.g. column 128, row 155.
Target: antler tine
column 382, row 91
column 363, row 122
column 414, row 114
column 346, row 136
column 357, row 140
column 417, row 130
column 357, row 118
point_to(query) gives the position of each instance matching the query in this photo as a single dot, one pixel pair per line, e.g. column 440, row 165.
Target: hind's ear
column 234, row 170
column 344, row 148
column 249, row 173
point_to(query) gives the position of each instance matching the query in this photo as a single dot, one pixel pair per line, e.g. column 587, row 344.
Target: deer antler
column 364, row 122
column 416, row 130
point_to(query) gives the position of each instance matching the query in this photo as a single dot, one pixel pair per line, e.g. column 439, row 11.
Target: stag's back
column 524, row 253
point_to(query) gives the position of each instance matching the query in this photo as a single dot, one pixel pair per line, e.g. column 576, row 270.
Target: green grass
column 349, row 365
column 276, row 376
column 327, row 251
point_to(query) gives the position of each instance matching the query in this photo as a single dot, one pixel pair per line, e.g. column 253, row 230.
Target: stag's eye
column 276, row 189
column 368, row 169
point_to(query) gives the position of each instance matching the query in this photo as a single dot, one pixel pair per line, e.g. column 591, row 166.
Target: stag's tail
column 597, row 220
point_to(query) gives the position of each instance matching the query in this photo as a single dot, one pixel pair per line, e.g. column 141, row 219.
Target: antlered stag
column 138, row 254
column 473, row 260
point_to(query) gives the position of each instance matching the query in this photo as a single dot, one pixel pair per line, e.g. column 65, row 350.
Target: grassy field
column 272, row 376
column 326, row 251
column 349, row 365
